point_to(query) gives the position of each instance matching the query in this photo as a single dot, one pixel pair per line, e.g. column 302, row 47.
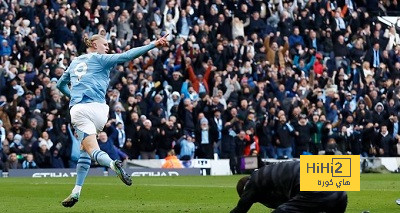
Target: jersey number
column 80, row 70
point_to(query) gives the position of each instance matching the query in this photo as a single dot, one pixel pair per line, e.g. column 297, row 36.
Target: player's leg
column 328, row 202
column 91, row 146
column 82, row 169
column 99, row 116
column 95, row 116
column 301, row 203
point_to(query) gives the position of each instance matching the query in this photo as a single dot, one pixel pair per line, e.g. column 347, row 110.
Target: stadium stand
column 273, row 79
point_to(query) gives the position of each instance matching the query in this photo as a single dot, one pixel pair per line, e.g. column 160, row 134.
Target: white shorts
column 89, row 118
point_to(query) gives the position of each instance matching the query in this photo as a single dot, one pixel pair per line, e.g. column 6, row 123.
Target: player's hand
column 162, row 42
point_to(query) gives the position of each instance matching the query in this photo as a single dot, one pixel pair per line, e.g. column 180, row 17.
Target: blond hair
column 89, row 41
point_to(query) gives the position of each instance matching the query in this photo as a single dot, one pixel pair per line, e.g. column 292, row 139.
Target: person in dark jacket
column 344, row 140
column 56, row 161
column 175, row 81
column 131, row 134
column 129, row 150
column 169, row 134
column 12, row 162
column 379, row 115
column 240, row 144
column 204, row 140
column 369, row 143
column 284, row 137
column 64, row 143
column 186, row 115
column 148, row 140
column 303, row 132
column 264, row 133
column 62, row 34
column 217, row 124
column 257, row 25
column 43, row 156
column 277, row 186
column 386, row 142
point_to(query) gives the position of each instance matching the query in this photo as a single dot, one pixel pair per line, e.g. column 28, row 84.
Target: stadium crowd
column 274, row 79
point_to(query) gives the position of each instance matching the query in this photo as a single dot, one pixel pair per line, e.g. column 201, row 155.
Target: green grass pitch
column 168, row 194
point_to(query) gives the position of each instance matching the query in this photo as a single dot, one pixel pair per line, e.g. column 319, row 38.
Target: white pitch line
column 139, row 184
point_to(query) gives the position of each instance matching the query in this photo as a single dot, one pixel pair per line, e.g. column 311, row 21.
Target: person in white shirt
column 45, row 138
column 394, row 38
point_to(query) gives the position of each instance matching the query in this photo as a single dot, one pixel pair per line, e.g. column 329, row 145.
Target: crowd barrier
column 57, row 173
column 195, row 167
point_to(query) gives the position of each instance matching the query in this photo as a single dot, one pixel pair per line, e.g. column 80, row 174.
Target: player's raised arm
column 109, row 60
column 62, row 84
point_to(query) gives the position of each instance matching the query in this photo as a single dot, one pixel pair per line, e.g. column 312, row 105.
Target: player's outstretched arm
column 62, row 84
column 109, row 60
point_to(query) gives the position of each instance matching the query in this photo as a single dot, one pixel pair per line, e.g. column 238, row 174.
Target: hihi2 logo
column 329, row 173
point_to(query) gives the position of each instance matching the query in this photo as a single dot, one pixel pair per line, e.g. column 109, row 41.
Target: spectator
column 187, row 147
column 29, row 163
column 240, row 144
column 45, row 138
column 316, row 138
column 118, row 114
column 5, row 48
column 43, row 156
column 274, row 54
column 17, row 127
column 264, row 131
column 331, row 148
column 285, row 133
column 187, row 116
column 16, row 145
column 386, row 143
column 216, row 126
column 118, row 136
column 379, row 115
column 170, row 134
column 374, row 56
column 252, row 143
column 4, row 154
column 336, row 57
column 171, row 161
column 170, row 21
column 12, row 162
column 148, row 138
column 29, row 142
column 344, row 140
column 65, row 146
column 204, row 140
column 133, row 125
column 129, row 150
column 295, row 38
column 56, row 161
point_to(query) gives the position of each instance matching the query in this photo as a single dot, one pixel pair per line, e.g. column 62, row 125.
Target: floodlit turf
column 168, row 194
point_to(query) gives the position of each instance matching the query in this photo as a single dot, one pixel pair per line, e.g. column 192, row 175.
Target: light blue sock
column 82, row 168
column 83, row 165
column 101, row 157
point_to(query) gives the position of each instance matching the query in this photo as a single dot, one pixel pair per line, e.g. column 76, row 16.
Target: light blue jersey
column 89, row 75
column 187, row 148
